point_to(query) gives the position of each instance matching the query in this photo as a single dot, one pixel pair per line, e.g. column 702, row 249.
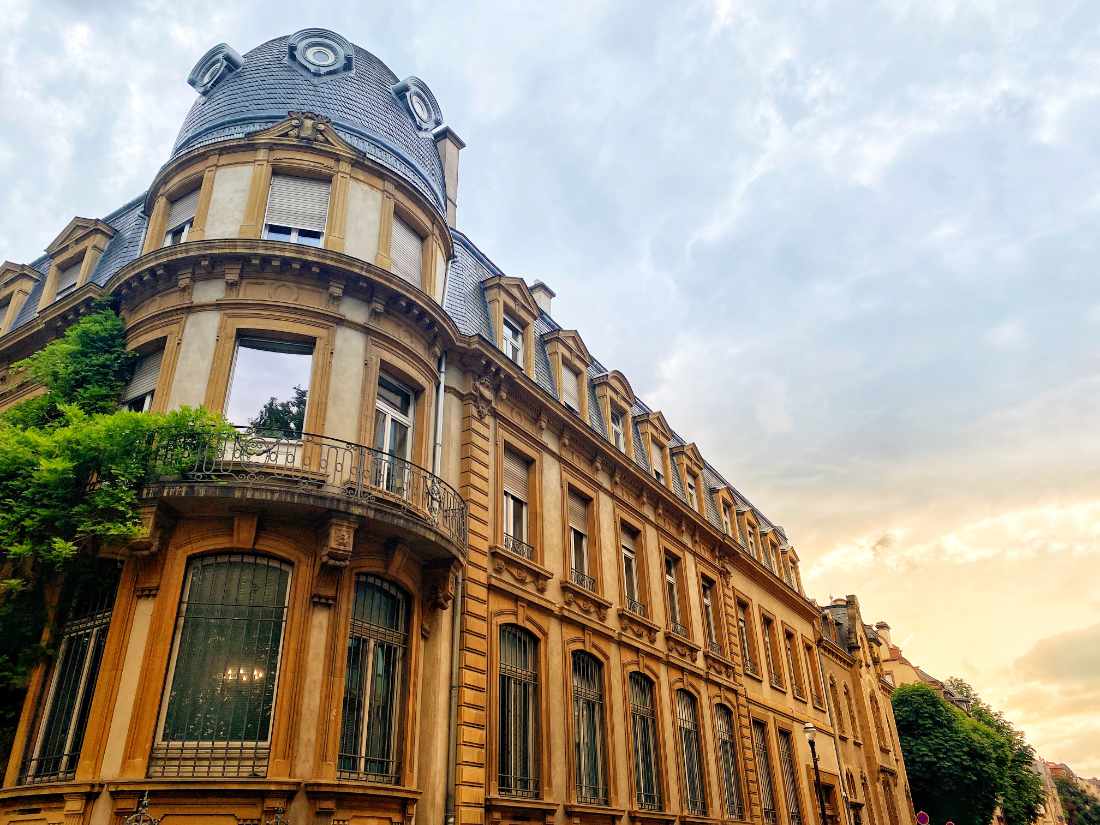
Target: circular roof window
column 320, row 52
column 217, row 63
column 419, row 102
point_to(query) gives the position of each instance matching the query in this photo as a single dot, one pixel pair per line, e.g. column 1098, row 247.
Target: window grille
column 790, row 778
column 643, row 724
column 690, row 751
column 55, row 748
column 519, row 713
column 406, row 252
column 373, row 685
column 764, row 768
column 67, row 278
column 588, row 737
column 727, row 763
column 221, row 688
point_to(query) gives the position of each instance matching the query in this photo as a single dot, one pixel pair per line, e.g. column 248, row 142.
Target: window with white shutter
column 67, row 278
column 406, row 252
column 570, row 388
column 181, row 215
column 138, row 396
column 297, row 210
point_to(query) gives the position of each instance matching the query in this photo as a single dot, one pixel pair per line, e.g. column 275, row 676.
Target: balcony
column 310, row 473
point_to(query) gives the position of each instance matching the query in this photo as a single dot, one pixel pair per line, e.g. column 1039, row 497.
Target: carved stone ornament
column 336, row 549
column 679, row 648
column 483, row 396
column 520, row 572
column 582, row 603
column 439, row 590
column 719, row 666
column 308, row 126
column 636, row 628
column 154, row 532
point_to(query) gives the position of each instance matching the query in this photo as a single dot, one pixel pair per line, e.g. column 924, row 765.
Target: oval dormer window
column 320, row 52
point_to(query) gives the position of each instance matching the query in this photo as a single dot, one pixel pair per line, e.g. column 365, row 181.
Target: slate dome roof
column 361, row 102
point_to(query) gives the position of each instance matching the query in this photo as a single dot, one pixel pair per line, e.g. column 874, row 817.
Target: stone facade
column 668, row 659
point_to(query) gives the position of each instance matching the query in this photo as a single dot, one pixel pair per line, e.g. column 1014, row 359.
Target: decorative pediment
column 691, row 454
column 617, row 384
column 515, row 293
column 308, row 127
column 80, row 230
column 570, row 341
column 655, row 421
column 11, row 274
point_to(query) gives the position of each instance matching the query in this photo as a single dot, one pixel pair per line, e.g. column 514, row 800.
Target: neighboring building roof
column 364, row 111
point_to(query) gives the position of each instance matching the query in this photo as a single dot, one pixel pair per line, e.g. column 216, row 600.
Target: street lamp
column 811, row 737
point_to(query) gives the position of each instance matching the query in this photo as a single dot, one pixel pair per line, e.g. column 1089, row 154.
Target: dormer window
column 406, row 252
column 66, row 279
column 618, row 430
column 181, row 215
column 571, row 388
column 657, row 461
column 692, row 496
column 297, row 210
column 513, row 341
column 727, row 520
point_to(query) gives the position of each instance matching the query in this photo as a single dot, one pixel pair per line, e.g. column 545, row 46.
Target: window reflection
column 269, row 386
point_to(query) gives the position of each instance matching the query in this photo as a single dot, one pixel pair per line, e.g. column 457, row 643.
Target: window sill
column 584, row 600
column 752, row 674
column 643, row 815
column 355, row 787
column 719, row 665
column 519, row 803
column 523, row 571
column 49, row 789
column 638, row 626
column 581, row 809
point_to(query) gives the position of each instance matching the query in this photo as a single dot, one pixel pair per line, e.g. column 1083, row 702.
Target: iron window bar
column 311, row 462
column 55, row 749
column 714, row 647
column 678, row 628
column 690, row 752
column 637, row 608
column 373, row 700
column 588, row 739
column 790, row 779
column 519, row 754
column 219, row 699
column 764, row 768
column 643, row 723
column 582, row 579
column 519, row 547
column 727, row 763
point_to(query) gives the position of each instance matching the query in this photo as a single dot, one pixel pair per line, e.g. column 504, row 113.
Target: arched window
column 891, row 808
column 727, row 762
column 876, row 717
column 867, row 800
column 55, row 746
column 764, row 770
column 588, row 738
column 690, row 751
column 519, row 713
column 643, row 725
column 790, row 776
column 851, row 713
column 378, row 642
column 837, row 709
column 216, row 712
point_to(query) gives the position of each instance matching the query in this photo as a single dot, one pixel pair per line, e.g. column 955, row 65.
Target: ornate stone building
column 450, row 568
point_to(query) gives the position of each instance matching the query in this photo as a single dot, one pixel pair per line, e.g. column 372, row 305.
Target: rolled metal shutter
column 570, row 388
column 182, row 209
column 145, row 377
column 578, row 512
column 515, row 475
column 628, row 539
column 298, row 202
column 66, row 278
column 406, row 251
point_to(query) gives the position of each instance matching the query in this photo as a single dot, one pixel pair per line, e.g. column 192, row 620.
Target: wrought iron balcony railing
column 637, row 608
column 714, row 647
column 519, row 547
column 313, row 463
column 583, row 579
column 678, row 628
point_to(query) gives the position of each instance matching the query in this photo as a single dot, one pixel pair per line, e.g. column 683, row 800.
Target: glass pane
column 277, row 233
column 380, row 419
column 399, row 440
column 309, row 237
column 394, row 395
column 270, row 386
column 629, row 581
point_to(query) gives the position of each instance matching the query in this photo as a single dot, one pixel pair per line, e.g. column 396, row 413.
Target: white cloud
column 1007, row 335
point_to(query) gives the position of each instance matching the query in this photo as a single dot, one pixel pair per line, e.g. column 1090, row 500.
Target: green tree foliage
column 282, row 419
column 955, row 763
column 1080, row 808
column 71, row 468
column 1021, row 788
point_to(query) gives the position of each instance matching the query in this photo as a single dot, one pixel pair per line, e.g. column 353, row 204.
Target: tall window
column 55, row 746
column 216, row 712
column 748, row 643
column 67, row 278
column 578, row 541
column 771, row 651
column 867, row 801
column 842, row 728
column 406, row 252
column 589, row 753
column 643, row 725
column 790, row 777
column 519, row 713
column 812, row 667
column 570, row 388
column 891, row 807
column 513, row 341
column 138, row 396
column 764, row 768
column 517, row 471
column 794, row 666
column 631, row 589
column 672, row 595
column 297, row 210
column 378, row 641
column 710, row 621
column 269, row 387
column 750, row 534
column 691, row 753
column 692, row 495
column 851, row 713
column 727, row 520
column 181, row 215
column 618, row 430
column 393, row 424
column 876, row 716
column 657, row 460
column 727, row 762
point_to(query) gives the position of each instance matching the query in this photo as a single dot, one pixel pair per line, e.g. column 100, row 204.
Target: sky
column 848, row 248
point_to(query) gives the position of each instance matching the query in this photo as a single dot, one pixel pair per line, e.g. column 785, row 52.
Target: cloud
column 1070, row 658
column 1008, row 335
